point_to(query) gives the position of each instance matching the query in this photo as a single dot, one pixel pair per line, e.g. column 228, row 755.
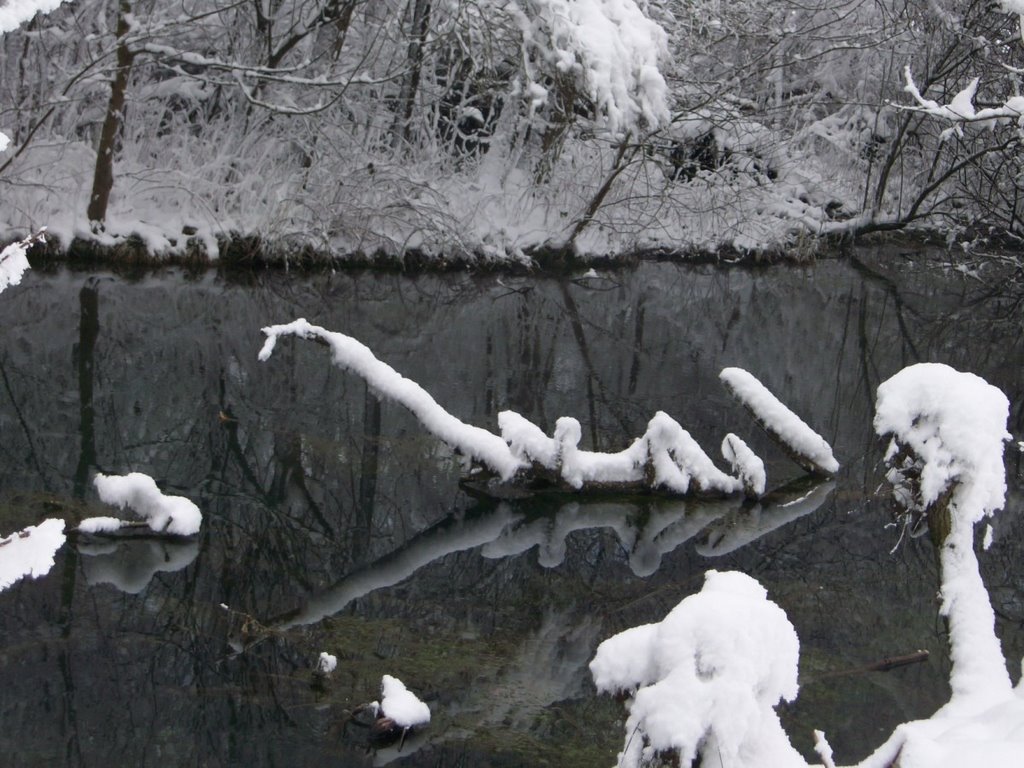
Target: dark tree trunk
column 103, row 178
column 411, row 84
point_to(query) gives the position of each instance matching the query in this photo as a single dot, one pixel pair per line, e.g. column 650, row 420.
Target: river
column 332, row 523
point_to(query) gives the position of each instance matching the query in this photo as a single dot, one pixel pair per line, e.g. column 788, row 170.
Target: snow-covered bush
column 706, row 679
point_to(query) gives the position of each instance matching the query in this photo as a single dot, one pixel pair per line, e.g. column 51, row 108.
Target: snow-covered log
column 174, row 515
column 665, row 458
column 801, row 443
column 29, row 552
column 351, row 355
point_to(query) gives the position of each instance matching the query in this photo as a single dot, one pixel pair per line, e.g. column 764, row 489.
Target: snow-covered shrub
column 705, row 680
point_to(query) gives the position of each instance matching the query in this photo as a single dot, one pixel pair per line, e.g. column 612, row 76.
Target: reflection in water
column 646, row 530
column 746, row 526
column 129, row 564
column 314, row 487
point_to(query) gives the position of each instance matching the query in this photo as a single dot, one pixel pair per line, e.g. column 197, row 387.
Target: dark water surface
column 331, row 522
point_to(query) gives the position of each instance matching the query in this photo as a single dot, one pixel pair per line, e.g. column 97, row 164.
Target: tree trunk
column 411, row 84
column 103, row 178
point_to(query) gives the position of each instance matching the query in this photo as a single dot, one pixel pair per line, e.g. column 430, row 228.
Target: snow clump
column 30, row 552
column 706, row 678
column 164, row 514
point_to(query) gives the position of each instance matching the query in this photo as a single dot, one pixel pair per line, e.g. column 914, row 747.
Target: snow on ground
column 30, row 552
column 401, row 704
column 138, row 492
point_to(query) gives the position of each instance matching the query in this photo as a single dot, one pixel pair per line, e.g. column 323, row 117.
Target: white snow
column 747, row 465
column 326, row 663
column 707, row 677
column 138, row 492
column 401, row 704
column 14, row 13
column 100, row 525
column 30, row 551
column 13, row 260
column 611, row 48
column 789, row 427
column 352, row 355
column 955, row 424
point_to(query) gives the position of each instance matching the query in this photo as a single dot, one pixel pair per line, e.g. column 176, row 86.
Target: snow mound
column 401, row 704
column 707, row 677
column 138, row 492
column 30, row 552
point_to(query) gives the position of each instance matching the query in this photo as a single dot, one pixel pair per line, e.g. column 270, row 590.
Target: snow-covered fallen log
column 805, row 446
column 665, row 458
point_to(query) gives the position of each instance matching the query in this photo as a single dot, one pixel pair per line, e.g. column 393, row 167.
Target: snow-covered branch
column 961, row 108
column 665, row 458
column 174, row 515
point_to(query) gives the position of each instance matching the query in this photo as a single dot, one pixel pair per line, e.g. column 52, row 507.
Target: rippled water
column 332, row 523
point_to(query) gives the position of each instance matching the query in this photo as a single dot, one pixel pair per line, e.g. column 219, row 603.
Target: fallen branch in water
column 664, row 459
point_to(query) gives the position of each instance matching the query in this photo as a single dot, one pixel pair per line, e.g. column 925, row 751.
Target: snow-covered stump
column 801, row 443
column 945, row 462
column 704, row 682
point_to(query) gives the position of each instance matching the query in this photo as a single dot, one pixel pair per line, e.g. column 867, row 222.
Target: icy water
column 332, row 523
